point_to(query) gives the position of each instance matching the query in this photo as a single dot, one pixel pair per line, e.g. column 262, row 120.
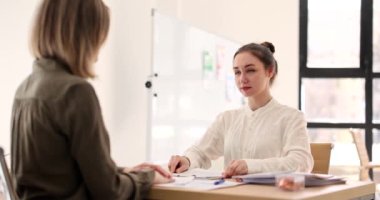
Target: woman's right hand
column 160, row 174
column 159, row 178
column 236, row 167
column 178, row 164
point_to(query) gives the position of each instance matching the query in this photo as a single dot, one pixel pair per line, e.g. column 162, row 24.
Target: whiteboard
column 194, row 83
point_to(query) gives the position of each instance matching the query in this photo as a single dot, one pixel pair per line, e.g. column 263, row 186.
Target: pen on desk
column 218, row 182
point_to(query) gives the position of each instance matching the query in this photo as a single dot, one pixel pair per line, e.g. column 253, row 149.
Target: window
column 334, row 100
column 376, row 145
column 333, row 40
column 376, row 36
column 340, row 72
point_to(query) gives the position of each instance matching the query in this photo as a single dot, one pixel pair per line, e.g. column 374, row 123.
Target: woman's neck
column 259, row 101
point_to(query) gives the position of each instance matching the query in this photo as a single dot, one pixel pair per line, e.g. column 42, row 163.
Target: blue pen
column 218, row 182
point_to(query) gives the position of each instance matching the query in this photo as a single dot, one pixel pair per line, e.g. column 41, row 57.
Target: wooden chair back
column 362, row 153
column 321, row 154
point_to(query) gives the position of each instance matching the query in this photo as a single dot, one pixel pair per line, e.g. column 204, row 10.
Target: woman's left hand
column 154, row 167
column 236, row 167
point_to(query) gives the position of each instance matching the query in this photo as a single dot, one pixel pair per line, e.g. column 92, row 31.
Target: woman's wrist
column 188, row 160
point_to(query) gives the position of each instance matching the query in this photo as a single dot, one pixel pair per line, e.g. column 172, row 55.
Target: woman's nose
column 243, row 78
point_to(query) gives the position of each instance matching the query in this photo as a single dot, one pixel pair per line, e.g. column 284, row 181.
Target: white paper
column 200, row 174
column 262, row 175
column 197, row 184
column 311, row 180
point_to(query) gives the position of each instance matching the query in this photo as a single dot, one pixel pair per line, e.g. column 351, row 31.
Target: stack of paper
column 311, row 180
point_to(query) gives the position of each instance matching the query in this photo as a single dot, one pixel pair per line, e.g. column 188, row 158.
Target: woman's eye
column 251, row 70
column 237, row 72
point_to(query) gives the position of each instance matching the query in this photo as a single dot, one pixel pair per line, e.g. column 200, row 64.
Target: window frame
column 363, row 71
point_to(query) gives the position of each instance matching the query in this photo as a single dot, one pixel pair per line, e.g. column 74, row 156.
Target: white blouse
column 271, row 138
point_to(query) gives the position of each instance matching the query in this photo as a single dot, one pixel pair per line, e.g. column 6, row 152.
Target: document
column 262, row 175
column 198, row 173
column 311, row 180
column 200, row 179
column 192, row 183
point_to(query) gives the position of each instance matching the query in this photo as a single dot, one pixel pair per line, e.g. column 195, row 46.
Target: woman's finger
column 174, row 163
column 162, row 171
column 230, row 169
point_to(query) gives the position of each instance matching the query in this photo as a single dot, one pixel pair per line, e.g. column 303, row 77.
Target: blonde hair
column 71, row 32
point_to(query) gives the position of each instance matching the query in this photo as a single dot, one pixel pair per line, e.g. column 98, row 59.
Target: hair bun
column 269, row 45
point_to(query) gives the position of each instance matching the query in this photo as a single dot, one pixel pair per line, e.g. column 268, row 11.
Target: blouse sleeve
column 295, row 156
column 89, row 145
column 210, row 147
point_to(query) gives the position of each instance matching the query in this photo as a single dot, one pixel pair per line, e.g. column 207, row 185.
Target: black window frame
column 364, row 71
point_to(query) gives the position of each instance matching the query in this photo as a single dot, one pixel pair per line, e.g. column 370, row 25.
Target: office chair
column 365, row 164
column 7, row 191
column 321, row 154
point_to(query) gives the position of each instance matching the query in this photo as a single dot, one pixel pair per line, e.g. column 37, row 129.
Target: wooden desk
column 351, row 190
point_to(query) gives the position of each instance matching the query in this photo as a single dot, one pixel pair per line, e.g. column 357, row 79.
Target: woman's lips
column 245, row 88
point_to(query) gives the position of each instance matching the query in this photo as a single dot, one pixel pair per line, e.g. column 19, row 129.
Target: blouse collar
column 262, row 109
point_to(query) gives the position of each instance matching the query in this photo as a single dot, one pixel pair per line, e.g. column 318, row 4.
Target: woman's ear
column 270, row 71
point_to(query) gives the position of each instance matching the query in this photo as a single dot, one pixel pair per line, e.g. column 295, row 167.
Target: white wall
column 15, row 60
column 125, row 61
column 247, row 21
column 130, row 52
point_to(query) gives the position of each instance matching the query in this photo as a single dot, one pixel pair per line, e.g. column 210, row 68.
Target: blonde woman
column 60, row 146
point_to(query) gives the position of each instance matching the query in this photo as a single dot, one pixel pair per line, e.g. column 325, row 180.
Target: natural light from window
column 333, row 100
column 333, row 34
column 376, row 36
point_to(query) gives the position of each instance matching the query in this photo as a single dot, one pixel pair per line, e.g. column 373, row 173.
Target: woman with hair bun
column 262, row 136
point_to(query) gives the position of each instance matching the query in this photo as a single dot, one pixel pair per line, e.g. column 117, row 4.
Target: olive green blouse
column 60, row 146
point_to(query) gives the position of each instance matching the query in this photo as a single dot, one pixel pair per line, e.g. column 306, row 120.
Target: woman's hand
column 178, row 164
column 158, row 178
column 236, row 167
column 161, row 175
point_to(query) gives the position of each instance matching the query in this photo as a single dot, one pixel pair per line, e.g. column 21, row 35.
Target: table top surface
column 350, row 190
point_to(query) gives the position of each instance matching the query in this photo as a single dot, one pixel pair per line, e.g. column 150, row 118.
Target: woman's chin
column 245, row 93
